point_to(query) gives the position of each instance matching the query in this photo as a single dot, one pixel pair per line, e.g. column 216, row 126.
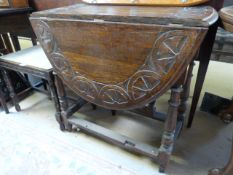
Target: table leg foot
column 10, row 87
column 169, row 131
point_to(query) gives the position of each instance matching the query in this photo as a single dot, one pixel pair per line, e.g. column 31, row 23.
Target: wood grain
column 149, row 2
column 118, row 63
column 226, row 15
column 4, row 3
column 39, row 5
column 184, row 16
column 18, row 3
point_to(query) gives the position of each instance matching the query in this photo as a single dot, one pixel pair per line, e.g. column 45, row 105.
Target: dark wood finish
column 16, row 22
column 115, row 138
column 160, row 155
column 117, row 59
column 170, row 128
column 145, row 73
column 204, row 58
column 14, row 3
column 13, row 62
column 39, row 5
column 13, row 95
column 185, row 94
column 216, row 4
column 228, row 170
column 3, row 102
column 63, row 118
column 18, row 3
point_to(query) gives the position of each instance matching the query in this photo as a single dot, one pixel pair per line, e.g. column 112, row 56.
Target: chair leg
column 3, row 102
column 169, row 130
column 10, row 87
column 54, row 96
column 62, row 102
column 228, row 170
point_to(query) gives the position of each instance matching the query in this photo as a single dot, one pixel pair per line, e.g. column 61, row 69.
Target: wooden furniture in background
column 14, row 3
column 14, row 22
column 102, row 60
column 226, row 15
column 39, row 5
column 31, row 61
column 4, row 3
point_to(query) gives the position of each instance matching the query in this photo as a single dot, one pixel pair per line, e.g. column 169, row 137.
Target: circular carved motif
column 114, row 95
column 85, row 86
column 143, row 82
column 46, row 37
column 167, row 51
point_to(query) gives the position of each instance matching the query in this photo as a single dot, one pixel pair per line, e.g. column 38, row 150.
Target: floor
column 32, row 144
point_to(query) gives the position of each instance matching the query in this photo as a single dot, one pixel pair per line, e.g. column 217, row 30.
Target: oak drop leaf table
column 121, row 58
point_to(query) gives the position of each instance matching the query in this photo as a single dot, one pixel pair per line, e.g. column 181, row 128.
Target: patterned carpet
column 30, row 153
column 33, row 145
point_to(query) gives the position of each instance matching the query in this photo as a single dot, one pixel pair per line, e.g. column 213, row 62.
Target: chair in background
column 31, row 61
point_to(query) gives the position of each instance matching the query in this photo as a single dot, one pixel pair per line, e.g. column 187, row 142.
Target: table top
column 187, row 16
column 32, row 57
column 149, row 2
column 121, row 57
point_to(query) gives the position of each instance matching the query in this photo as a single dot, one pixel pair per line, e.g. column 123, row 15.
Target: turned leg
column 3, row 102
column 169, row 130
column 228, row 170
column 51, row 82
column 63, row 102
column 10, row 87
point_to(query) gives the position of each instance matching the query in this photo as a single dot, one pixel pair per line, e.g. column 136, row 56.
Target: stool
column 31, row 61
column 226, row 15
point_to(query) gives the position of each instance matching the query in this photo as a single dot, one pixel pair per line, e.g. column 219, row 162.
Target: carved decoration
column 143, row 82
column 114, row 95
column 139, row 87
column 85, row 87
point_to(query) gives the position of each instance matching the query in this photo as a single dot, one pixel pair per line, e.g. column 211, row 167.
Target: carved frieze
column 167, row 54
